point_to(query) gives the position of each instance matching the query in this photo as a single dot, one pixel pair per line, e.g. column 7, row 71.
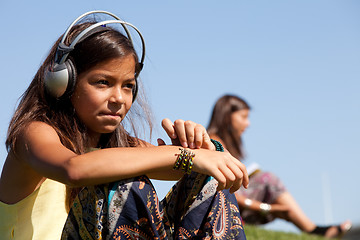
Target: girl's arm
column 41, row 149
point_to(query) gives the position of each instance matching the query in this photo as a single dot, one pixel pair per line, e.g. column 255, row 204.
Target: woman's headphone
column 60, row 78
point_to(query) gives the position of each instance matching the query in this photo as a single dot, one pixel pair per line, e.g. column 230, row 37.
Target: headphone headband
column 92, row 12
column 118, row 20
column 61, row 79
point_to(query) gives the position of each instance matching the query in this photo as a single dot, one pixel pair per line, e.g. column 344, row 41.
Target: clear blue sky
column 296, row 62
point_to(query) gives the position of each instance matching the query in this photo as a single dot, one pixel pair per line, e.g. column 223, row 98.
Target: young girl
column 266, row 197
column 70, row 130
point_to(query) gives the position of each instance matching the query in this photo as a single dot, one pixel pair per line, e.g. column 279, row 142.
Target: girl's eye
column 102, row 82
column 130, row 85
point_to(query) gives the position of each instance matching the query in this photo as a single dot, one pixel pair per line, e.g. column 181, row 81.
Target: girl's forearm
column 108, row 165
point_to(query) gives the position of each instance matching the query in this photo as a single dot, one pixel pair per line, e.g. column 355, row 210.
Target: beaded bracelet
column 218, row 146
column 184, row 160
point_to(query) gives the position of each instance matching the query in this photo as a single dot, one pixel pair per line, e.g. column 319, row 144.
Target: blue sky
column 295, row 62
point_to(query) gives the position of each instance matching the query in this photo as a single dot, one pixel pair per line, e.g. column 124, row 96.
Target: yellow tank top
column 41, row 215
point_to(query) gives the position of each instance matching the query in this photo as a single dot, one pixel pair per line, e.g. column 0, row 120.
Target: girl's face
column 103, row 95
column 240, row 121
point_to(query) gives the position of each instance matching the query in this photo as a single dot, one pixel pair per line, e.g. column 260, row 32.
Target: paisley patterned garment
column 130, row 209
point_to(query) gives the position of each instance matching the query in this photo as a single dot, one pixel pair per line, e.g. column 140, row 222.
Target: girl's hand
column 227, row 170
column 187, row 134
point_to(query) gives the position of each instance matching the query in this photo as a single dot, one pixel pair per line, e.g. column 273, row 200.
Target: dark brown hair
column 36, row 105
column 220, row 123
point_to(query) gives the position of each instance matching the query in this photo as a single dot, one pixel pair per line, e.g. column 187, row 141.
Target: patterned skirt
column 130, row 209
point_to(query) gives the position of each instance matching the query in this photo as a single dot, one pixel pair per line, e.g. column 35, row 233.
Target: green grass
column 257, row 233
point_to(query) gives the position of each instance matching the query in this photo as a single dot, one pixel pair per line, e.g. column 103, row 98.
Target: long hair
column 35, row 104
column 220, row 123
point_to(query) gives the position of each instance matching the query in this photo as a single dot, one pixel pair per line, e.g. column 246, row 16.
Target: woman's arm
column 278, row 210
column 246, row 203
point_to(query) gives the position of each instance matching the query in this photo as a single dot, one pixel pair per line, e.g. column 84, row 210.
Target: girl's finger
column 242, row 167
column 207, row 142
column 180, row 132
column 238, row 175
column 168, row 126
column 220, row 178
column 190, row 133
column 229, row 176
column 200, row 132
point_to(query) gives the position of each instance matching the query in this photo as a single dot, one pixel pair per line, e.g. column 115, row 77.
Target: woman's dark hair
column 35, row 104
column 220, row 123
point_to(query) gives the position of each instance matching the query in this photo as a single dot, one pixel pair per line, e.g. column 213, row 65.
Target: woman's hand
column 227, row 170
column 187, row 134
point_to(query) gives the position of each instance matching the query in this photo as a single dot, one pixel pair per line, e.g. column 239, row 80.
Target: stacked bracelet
column 184, row 160
column 218, row 145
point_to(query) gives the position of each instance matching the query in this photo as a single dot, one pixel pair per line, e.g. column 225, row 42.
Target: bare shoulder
column 38, row 150
column 18, row 178
column 36, row 134
column 40, row 147
column 37, row 128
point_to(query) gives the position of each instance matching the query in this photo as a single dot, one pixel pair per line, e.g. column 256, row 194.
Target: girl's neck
column 93, row 141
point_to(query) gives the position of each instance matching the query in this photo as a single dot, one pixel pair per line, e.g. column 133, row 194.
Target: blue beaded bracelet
column 218, row 145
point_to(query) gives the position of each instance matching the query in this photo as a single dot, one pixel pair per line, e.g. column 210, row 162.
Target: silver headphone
column 60, row 78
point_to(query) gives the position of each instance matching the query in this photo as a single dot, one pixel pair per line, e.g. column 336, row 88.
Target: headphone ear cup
column 72, row 75
column 60, row 81
column 135, row 90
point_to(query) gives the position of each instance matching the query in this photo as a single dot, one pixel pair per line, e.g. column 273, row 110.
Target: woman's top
column 41, row 215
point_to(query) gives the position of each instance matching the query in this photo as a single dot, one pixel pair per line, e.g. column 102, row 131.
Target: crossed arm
column 40, row 155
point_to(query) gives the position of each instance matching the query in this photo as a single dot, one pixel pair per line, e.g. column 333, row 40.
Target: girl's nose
column 117, row 96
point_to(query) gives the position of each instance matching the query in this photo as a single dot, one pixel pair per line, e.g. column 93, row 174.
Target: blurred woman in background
column 266, row 197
